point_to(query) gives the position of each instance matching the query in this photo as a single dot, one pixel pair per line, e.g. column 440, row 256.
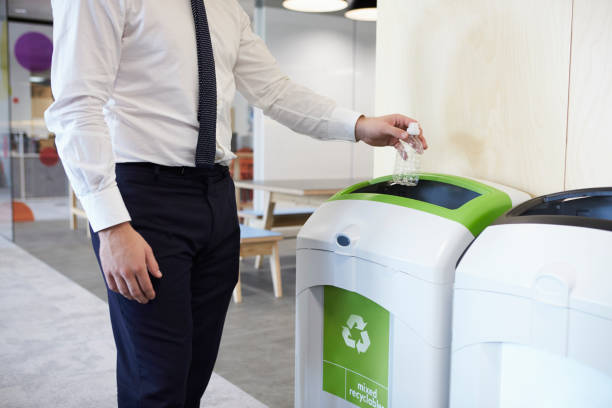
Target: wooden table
column 300, row 192
column 76, row 212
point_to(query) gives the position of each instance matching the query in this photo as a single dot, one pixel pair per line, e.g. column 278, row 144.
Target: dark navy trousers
column 167, row 348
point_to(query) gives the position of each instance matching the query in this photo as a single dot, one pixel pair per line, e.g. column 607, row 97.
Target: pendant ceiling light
column 362, row 10
column 315, row 6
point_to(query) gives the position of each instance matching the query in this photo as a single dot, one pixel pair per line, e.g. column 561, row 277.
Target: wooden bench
column 260, row 242
column 282, row 217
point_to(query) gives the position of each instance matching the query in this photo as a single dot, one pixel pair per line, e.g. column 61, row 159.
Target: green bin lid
column 471, row 203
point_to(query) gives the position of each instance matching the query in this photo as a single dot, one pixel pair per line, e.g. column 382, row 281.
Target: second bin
column 532, row 324
column 375, row 271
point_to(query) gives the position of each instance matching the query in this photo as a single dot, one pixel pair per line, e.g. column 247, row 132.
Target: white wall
column 334, row 57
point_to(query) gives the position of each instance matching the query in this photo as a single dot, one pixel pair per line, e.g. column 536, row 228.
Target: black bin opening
column 434, row 192
column 590, row 206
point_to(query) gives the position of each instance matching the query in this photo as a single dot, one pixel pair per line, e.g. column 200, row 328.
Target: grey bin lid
column 587, row 208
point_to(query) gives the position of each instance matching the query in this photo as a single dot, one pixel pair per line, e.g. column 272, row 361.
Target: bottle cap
column 414, row 129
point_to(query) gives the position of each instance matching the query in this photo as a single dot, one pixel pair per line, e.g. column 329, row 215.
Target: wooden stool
column 283, row 217
column 258, row 242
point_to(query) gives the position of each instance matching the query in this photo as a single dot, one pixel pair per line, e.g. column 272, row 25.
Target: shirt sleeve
column 87, row 48
column 262, row 83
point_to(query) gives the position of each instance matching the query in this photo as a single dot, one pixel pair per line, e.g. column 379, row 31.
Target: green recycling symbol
column 361, row 344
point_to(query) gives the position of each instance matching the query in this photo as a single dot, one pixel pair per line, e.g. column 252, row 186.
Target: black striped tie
column 207, row 106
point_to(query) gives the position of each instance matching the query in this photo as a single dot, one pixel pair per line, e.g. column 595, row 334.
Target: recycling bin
column 532, row 323
column 375, row 270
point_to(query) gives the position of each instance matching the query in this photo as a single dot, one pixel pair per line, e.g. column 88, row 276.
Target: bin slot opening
column 438, row 193
column 599, row 207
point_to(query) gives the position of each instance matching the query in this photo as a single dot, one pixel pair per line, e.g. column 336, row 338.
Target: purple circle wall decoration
column 33, row 51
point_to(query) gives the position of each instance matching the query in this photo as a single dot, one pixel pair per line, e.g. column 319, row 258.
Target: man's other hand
column 384, row 130
column 127, row 260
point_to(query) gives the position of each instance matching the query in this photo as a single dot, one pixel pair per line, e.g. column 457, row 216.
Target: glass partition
column 39, row 185
column 6, row 208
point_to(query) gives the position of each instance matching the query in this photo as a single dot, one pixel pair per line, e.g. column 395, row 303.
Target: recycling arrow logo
column 362, row 344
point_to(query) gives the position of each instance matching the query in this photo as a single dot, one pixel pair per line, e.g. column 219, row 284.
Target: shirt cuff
column 105, row 208
column 342, row 124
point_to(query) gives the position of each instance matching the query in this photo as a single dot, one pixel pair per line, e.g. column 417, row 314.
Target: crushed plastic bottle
column 408, row 158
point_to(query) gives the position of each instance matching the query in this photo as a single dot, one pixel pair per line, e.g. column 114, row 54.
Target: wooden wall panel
column 589, row 155
column 488, row 80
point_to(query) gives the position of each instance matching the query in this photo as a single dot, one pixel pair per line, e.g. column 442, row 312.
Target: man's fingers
column 400, row 134
column 123, row 288
column 145, row 284
column 397, row 133
column 112, row 285
column 422, row 138
column 151, row 262
column 134, row 288
column 402, row 121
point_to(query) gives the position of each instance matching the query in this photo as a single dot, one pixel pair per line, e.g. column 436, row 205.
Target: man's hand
column 384, row 130
column 127, row 261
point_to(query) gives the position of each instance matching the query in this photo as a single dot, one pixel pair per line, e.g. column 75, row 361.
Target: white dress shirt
column 125, row 82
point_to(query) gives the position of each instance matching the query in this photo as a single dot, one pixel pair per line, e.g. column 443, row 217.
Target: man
column 143, row 90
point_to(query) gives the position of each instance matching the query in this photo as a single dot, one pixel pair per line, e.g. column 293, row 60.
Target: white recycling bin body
column 532, row 314
column 375, row 270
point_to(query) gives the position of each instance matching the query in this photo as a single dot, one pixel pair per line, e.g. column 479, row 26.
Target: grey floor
column 55, row 347
column 257, row 349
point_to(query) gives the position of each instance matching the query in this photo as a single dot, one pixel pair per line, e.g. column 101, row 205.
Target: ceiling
column 279, row 4
column 40, row 10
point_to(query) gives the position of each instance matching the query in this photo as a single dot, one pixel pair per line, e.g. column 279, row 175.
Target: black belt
column 215, row 169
